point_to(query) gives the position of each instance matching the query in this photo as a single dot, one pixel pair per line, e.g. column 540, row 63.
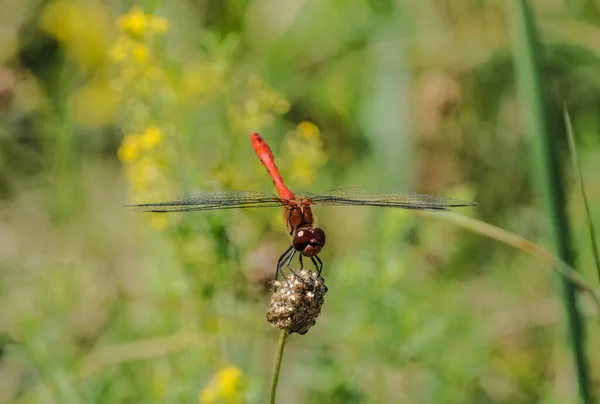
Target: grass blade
column 579, row 179
column 518, row 242
column 547, row 175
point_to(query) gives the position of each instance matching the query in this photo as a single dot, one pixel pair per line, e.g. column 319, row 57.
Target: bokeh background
column 108, row 103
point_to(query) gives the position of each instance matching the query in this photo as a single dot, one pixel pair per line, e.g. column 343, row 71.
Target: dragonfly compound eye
column 318, row 237
column 301, row 239
column 312, row 241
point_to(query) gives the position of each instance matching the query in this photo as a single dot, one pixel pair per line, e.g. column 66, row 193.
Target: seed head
column 296, row 302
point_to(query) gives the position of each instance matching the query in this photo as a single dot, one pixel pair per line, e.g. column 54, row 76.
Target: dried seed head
column 296, row 302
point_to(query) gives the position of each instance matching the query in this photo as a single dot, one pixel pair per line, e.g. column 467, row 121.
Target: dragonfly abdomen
column 262, row 150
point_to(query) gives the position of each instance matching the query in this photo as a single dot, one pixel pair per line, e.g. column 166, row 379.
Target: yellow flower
column 82, row 28
column 305, row 151
column 118, row 52
column 229, row 381
column 207, row 396
column 124, row 46
column 140, row 53
column 260, row 107
column 138, row 24
column 135, row 22
column 226, row 387
column 151, row 137
column 129, row 148
column 57, row 19
column 308, row 130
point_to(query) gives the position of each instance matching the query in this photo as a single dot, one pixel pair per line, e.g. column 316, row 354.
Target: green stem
column 277, row 367
column 516, row 241
column 579, row 177
column 548, row 175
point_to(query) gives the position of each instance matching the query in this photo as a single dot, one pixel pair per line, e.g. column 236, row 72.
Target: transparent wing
column 214, row 201
column 372, row 197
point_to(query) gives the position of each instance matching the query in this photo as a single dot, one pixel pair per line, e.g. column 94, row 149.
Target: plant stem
column 548, row 175
column 276, row 368
column 521, row 243
column 579, row 177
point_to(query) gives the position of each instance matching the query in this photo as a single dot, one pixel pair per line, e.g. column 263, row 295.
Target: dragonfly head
column 309, row 241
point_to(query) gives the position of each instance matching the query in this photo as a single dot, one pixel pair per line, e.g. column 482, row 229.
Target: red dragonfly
column 307, row 240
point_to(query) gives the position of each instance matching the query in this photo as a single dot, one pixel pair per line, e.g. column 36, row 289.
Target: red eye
column 318, row 237
column 301, row 239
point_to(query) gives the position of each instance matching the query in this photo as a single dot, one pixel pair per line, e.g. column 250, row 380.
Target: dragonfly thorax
column 309, row 241
column 298, row 215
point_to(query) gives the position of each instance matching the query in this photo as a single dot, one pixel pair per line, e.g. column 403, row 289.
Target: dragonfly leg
column 318, row 264
column 281, row 261
column 289, row 261
column 301, row 264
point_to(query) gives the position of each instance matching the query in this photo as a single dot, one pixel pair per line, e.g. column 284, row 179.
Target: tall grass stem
column 579, row 179
column 547, row 175
column 521, row 243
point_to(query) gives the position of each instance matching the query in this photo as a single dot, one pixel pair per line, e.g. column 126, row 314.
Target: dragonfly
column 307, row 239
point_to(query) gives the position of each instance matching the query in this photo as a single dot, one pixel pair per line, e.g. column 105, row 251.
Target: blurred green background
column 108, row 103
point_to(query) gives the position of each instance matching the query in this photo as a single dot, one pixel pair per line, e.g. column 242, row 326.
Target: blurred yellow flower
column 308, row 130
column 140, row 53
column 207, row 396
column 137, row 75
column 228, row 381
column 129, row 148
column 124, row 47
column 138, row 24
column 142, row 167
column 151, row 137
column 118, row 52
column 260, row 107
column 304, row 152
column 226, row 387
column 82, row 28
column 135, row 22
